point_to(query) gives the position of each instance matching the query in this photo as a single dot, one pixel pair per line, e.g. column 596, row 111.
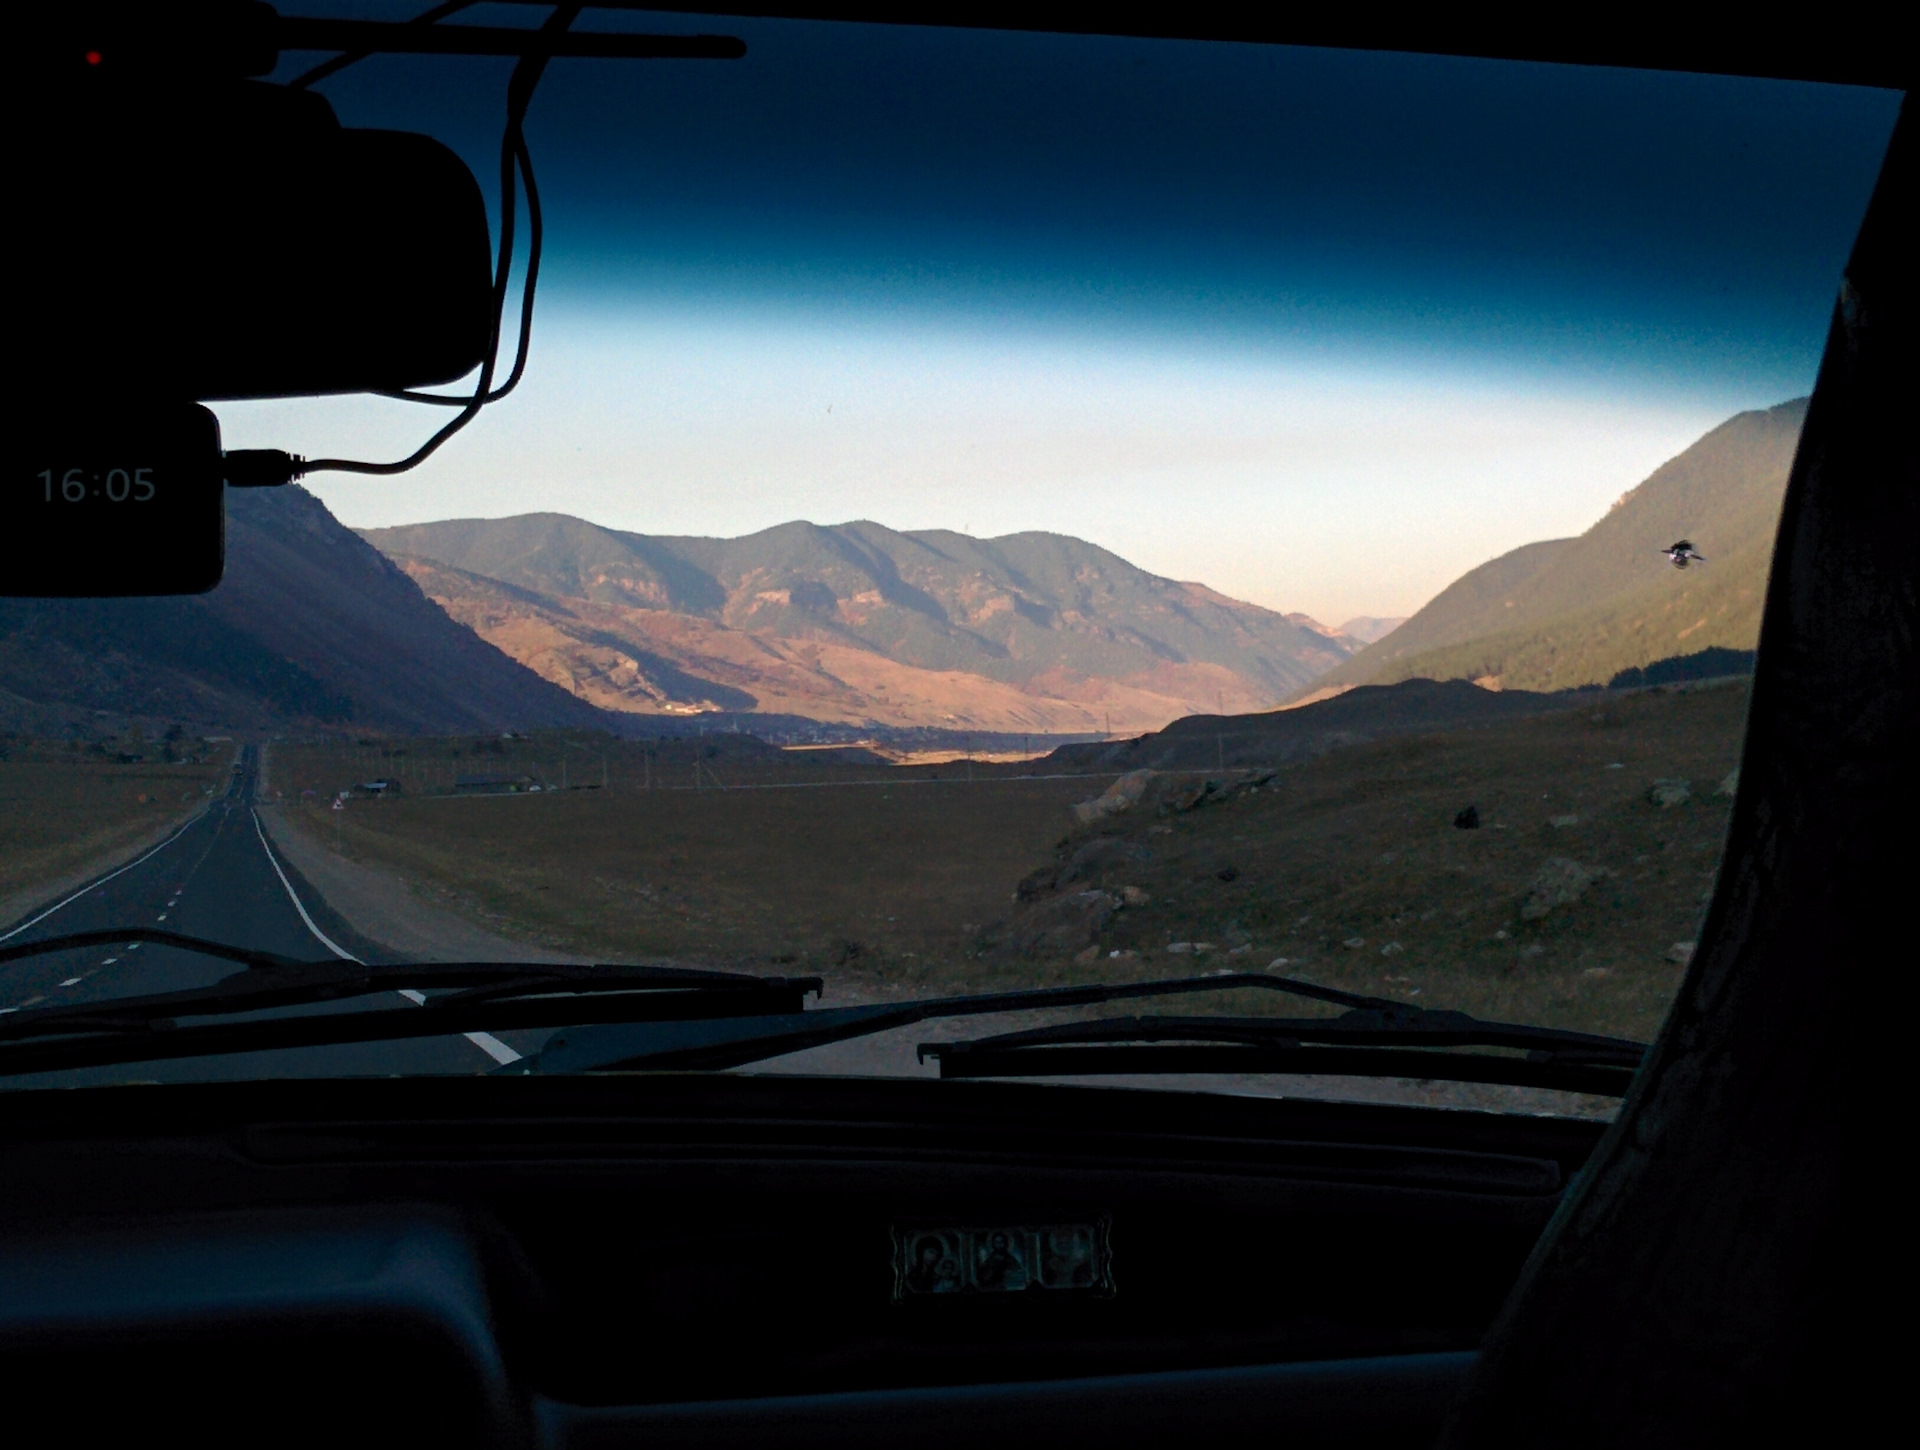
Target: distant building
column 492, row 784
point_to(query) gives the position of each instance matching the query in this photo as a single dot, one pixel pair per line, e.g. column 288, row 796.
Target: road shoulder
column 382, row 908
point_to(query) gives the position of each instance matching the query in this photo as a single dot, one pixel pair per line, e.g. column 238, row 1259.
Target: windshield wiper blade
column 693, row 1045
column 276, row 981
column 1361, row 1027
column 75, row 941
column 469, row 996
column 1365, row 1042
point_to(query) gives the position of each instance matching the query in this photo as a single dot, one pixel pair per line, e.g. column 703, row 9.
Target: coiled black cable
column 516, row 172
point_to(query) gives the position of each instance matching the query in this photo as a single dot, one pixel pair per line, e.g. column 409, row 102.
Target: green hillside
column 1587, row 647
column 1568, row 612
column 1477, row 603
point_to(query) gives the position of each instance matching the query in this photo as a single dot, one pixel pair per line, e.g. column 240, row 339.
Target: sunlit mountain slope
column 860, row 623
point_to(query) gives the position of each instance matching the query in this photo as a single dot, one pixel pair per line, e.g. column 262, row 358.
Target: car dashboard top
column 654, row 1257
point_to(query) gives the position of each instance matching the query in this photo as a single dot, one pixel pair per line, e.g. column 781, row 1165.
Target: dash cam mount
column 204, row 235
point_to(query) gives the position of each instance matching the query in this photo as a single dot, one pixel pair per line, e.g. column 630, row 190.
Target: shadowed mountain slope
column 1032, row 631
column 310, row 624
column 1569, row 612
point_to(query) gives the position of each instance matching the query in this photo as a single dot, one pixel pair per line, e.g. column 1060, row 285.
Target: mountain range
column 548, row 620
column 1564, row 613
column 859, row 623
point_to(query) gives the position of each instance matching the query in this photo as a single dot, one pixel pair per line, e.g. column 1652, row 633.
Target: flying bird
column 1681, row 554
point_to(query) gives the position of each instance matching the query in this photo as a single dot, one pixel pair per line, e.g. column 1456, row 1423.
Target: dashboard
column 681, row 1259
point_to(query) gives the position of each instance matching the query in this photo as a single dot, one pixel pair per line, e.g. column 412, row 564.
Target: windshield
column 987, row 512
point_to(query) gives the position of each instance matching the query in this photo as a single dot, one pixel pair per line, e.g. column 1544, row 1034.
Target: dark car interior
column 646, row 1253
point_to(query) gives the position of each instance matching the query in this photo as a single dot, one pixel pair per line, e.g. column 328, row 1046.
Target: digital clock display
column 118, row 485
column 112, row 502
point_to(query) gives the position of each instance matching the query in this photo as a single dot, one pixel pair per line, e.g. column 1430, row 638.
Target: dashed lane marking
column 493, row 1047
column 485, row 1041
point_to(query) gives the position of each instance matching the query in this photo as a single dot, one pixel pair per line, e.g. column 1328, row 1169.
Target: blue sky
column 1319, row 329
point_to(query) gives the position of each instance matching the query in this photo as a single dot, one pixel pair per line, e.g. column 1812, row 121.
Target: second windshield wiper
column 466, row 996
column 1365, row 1042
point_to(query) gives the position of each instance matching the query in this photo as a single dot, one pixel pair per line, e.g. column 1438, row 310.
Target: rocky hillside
column 1276, row 737
column 310, row 625
column 1568, row 612
column 860, row 623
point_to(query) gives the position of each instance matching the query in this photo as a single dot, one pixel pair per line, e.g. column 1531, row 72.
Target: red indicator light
column 93, row 57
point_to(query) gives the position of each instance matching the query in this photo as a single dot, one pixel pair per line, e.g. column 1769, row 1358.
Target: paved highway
column 217, row 878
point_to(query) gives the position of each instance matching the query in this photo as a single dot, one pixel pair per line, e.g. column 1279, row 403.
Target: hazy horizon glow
column 1289, row 482
column 1318, row 329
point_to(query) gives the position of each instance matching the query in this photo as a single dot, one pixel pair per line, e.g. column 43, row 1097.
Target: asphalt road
column 216, row 878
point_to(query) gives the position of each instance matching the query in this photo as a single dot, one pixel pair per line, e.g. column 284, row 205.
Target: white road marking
column 71, row 982
column 485, row 1041
column 163, row 916
column 326, row 941
column 94, row 886
column 493, row 1047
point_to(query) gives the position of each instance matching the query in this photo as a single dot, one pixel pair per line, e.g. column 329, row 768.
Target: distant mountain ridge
column 1032, row 631
column 1368, row 628
column 1563, row 613
column 310, row 625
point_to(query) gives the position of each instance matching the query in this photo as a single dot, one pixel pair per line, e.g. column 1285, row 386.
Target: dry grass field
column 777, row 857
column 1564, row 906
column 62, row 810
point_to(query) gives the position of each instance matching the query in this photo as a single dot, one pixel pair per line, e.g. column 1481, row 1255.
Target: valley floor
column 1574, row 902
